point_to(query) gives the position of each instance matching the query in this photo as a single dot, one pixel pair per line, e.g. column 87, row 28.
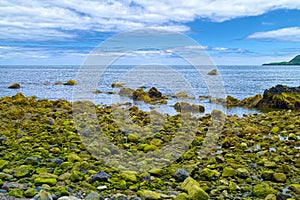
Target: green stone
column 270, row 197
column 43, row 195
column 275, row 129
column 30, row 193
column 262, row 190
column 129, row 176
column 60, row 191
column 228, row 172
column 148, row 194
column 3, row 164
column 279, row 177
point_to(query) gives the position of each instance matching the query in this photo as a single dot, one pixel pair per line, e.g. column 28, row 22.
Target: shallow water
column 238, row 81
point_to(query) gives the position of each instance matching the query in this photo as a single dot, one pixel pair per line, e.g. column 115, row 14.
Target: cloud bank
column 285, row 34
column 62, row 19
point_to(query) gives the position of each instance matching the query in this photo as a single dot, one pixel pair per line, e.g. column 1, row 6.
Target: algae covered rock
column 30, row 193
column 16, row 193
column 187, row 107
column 208, row 174
column 282, row 97
column 43, row 195
column 188, row 184
column 196, row 193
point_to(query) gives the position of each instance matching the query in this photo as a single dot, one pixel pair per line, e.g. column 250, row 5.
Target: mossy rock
column 243, row 172
column 16, row 193
column 150, row 147
column 188, row 184
column 76, row 176
column 196, row 193
column 30, row 193
column 22, row 171
column 228, row 172
column 72, row 157
column 117, row 84
column 3, row 164
column 157, row 172
column 133, row 137
column 208, row 174
column 267, row 175
column 59, row 191
column 296, row 187
column 49, row 181
column 70, row 82
column 262, row 190
column 279, row 177
column 14, row 86
column 182, row 196
column 43, row 195
column 129, row 176
column 148, row 194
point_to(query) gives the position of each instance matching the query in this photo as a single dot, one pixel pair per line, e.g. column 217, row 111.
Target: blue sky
column 230, row 31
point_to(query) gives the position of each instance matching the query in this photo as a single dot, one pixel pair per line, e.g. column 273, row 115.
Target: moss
column 208, row 174
column 133, row 137
column 149, row 147
column 279, row 177
column 196, row 193
column 188, row 184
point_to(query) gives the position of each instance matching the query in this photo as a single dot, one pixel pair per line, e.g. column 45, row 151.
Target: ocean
column 238, row 81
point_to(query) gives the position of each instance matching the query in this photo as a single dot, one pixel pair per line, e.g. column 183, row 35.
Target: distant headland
column 294, row 61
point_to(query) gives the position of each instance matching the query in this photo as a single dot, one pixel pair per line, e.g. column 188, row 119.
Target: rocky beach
column 256, row 156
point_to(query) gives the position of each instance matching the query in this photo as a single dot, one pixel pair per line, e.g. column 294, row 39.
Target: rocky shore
column 43, row 156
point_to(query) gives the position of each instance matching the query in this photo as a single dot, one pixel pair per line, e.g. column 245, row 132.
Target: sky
column 231, row 32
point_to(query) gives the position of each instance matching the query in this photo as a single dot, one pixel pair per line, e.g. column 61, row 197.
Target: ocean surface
column 237, row 81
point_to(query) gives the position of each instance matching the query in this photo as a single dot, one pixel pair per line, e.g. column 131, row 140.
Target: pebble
column 181, row 174
column 100, row 176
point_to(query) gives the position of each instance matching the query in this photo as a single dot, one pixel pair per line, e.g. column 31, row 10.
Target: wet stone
column 181, row 174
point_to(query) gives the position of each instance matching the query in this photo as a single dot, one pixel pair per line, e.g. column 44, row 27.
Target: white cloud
column 284, row 34
column 44, row 20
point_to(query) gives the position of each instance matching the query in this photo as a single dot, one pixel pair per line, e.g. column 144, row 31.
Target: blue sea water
column 238, row 81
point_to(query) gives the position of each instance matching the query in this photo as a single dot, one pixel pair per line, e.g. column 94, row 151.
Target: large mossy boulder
column 282, row 97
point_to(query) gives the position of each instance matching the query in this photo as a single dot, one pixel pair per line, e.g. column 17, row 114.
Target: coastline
column 256, row 156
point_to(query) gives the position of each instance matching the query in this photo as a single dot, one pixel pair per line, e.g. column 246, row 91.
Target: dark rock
column 154, row 93
column 213, row 72
column 56, row 161
column 34, row 160
column 181, row 174
column 187, row 107
column 281, row 196
column 100, row 176
column 14, row 86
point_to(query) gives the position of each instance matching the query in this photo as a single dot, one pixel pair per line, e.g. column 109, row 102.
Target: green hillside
column 294, row 61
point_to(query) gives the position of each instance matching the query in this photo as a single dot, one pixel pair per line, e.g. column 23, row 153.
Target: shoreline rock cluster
column 43, row 156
